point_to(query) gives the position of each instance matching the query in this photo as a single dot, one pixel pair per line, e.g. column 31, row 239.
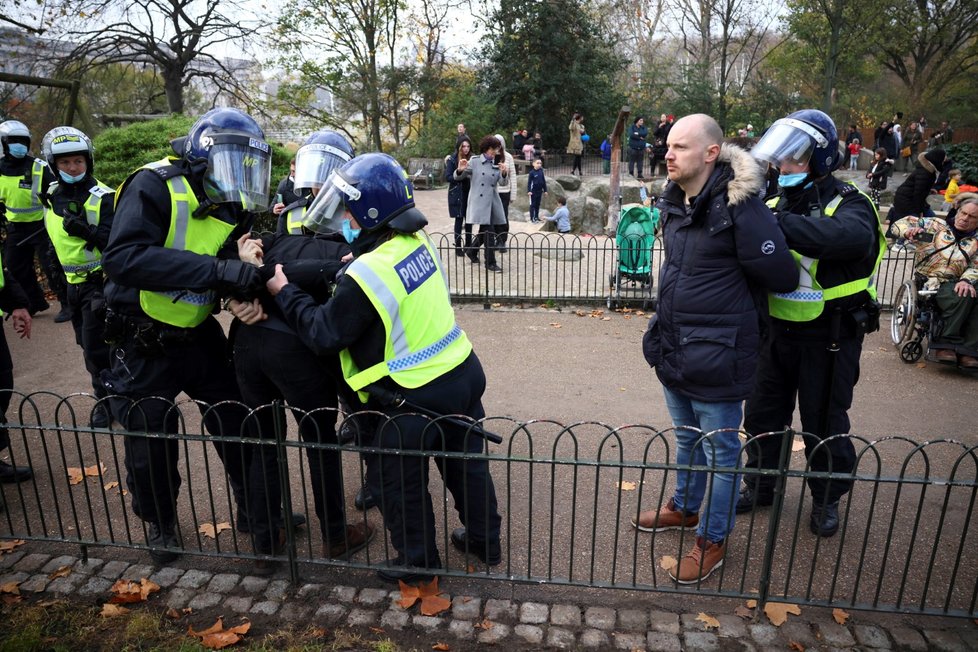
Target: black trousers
column 401, row 482
column 88, row 320
column 6, row 387
column 142, row 388
column 459, row 226
column 791, row 368
column 24, row 240
column 487, row 237
column 502, row 230
column 636, row 158
column 274, row 365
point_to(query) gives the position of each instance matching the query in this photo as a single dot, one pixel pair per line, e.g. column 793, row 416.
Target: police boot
column 100, row 417
column 65, row 314
column 364, row 499
column 10, row 473
column 825, row 518
column 162, row 538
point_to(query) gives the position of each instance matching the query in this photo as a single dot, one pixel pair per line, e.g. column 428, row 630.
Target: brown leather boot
column 700, row 562
column 667, row 518
column 358, row 535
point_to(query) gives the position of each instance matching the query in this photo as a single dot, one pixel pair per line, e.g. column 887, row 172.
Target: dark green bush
column 965, row 157
column 121, row 151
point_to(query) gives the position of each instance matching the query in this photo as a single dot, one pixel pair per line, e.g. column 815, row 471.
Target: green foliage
column 549, row 61
column 120, row 151
column 965, row 157
column 463, row 102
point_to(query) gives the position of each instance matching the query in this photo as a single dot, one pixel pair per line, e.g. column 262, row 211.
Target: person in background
column 78, row 221
column 606, row 155
column 460, row 134
column 458, row 195
column 660, row 138
column 484, row 207
column 911, row 146
column 561, row 216
column 536, row 188
column 852, row 135
column 947, row 258
column 23, row 181
column 910, row 197
column 637, row 135
column 285, row 194
column 505, row 190
column 519, row 139
column 854, row 149
column 575, row 143
column 952, row 191
column 878, row 175
column 528, row 149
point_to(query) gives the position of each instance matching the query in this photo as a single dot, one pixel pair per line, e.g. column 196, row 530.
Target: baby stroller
column 632, row 278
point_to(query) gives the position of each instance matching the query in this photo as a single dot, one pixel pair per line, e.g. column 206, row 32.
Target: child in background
column 878, row 173
column 606, row 155
column 561, row 216
column 536, row 188
column 528, row 150
column 854, row 149
column 952, row 189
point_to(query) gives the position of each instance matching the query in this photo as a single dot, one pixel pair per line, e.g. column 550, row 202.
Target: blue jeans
column 695, row 446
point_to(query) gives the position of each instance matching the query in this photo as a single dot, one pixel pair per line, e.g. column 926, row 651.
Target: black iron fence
column 564, row 268
column 567, row 494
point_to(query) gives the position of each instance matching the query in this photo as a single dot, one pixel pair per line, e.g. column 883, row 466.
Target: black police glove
column 237, row 279
column 78, row 227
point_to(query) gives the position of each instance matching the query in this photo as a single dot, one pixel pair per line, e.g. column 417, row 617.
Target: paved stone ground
column 474, row 621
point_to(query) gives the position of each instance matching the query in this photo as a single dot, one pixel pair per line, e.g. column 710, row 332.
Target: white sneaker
column 897, row 248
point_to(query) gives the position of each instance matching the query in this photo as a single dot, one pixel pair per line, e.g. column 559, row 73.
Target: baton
column 396, row 399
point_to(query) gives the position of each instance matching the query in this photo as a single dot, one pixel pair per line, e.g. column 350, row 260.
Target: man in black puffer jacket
column 723, row 252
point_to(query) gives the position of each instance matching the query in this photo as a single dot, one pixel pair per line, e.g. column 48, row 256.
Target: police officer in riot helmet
column 323, row 152
column 23, row 182
column 391, row 320
column 170, row 258
column 816, row 331
column 78, row 222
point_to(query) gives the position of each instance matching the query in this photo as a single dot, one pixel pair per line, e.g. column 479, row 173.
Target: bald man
column 723, row 248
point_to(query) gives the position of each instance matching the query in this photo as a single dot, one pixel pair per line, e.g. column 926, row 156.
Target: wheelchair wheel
column 904, row 315
column 911, row 352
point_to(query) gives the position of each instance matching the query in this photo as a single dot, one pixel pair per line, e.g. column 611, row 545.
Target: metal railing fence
column 567, row 495
column 581, row 268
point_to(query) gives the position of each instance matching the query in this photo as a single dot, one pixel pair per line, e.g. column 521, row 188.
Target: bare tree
column 342, row 46
column 179, row 39
column 725, row 41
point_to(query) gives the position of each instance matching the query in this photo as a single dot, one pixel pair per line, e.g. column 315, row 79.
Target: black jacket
column 637, row 136
column 458, row 191
column 135, row 258
column 846, row 244
column 721, row 257
column 910, row 197
column 67, row 197
column 660, row 138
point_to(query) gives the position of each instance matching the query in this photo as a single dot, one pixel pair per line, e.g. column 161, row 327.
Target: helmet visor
column 315, row 162
column 328, row 209
column 788, row 141
column 239, row 170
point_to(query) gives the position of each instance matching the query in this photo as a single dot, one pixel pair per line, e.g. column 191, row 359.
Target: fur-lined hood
column 748, row 175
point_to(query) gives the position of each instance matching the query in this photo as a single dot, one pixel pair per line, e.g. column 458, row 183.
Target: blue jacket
column 606, row 149
column 637, row 136
column 536, row 182
column 721, row 259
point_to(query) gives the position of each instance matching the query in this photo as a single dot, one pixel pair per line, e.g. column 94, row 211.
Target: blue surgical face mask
column 17, row 150
column 792, row 180
column 349, row 233
column 67, row 178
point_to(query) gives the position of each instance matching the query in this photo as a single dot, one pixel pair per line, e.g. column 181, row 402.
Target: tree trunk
column 173, row 86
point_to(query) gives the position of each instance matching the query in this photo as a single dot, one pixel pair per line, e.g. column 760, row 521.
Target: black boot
column 10, row 473
column 825, row 518
column 364, row 499
column 161, row 536
column 65, row 314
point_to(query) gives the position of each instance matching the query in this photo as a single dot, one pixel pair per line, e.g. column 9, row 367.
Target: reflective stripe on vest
column 185, row 308
column 404, row 281
column 293, row 220
column 73, row 253
column 23, row 205
column 807, row 301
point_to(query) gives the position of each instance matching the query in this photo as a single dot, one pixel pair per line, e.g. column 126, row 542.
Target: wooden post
column 614, row 192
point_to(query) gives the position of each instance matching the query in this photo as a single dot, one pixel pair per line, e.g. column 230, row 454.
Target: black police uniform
column 26, row 238
column 349, row 320
column 153, row 361
column 85, row 298
column 795, row 360
column 272, row 363
column 12, row 297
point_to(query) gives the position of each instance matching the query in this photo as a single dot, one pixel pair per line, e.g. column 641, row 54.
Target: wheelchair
column 915, row 318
